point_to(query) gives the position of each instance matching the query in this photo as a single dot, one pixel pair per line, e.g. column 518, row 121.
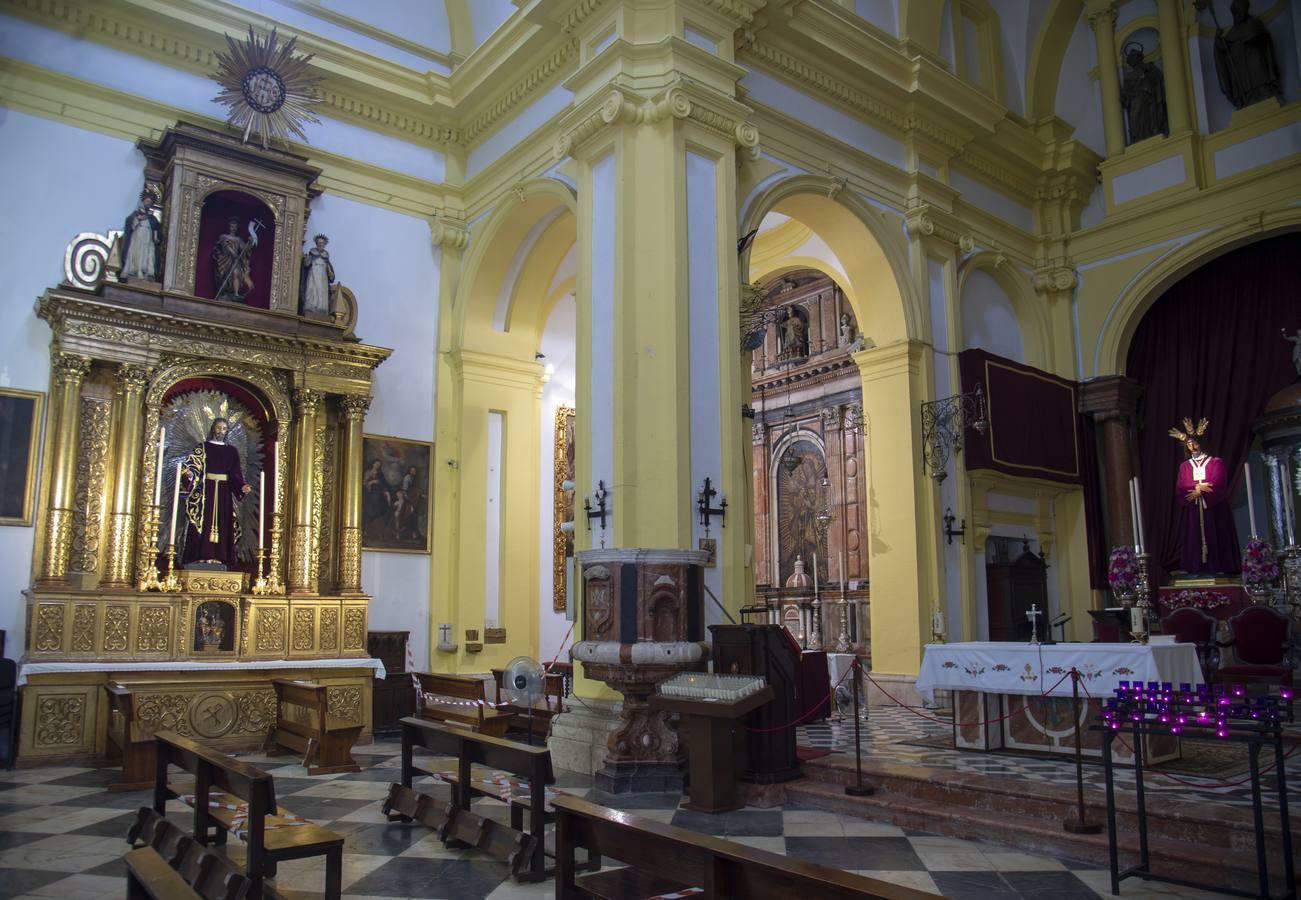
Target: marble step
column 1198, row 862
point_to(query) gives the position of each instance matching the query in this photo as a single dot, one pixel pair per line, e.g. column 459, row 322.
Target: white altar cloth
column 44, row 668
column 1008, row 668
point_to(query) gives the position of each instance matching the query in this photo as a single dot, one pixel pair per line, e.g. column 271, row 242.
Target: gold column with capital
column 1173, row 54
column 69, row 371
column 128, row 397
column 306, row 404
column 1102, row 16
column 354, row 415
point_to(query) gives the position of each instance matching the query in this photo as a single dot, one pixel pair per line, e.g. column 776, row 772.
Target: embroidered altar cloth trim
column 1008, row 668
column 45, row 668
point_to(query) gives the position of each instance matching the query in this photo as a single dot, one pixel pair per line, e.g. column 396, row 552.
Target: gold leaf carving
column 304, row 620
column 256, row 712
column 116, row 628
column 270, row 630
column 91, row 478
column 59, row 720
column 344, row 703
column 354, row 629
column 49, row 626
column 165, row 712
column 152, row 630
column 329, row 629
column 83, row 628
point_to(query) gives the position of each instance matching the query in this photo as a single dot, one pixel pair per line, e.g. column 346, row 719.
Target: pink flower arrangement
column 1203, row 600
column 1122, row 572
column 1258, row 563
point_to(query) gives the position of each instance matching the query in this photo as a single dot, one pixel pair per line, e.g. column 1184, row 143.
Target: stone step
column 1202, row 862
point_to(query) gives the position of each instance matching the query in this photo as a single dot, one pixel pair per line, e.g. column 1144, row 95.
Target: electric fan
column 522, row 681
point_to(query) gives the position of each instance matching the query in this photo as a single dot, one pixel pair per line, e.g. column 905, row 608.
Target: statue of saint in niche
column 794, row 335
column 318, row 275
column 212, row 480
column 1244, row 57
column 141, row 236
column 1143, row 96
column 232, row 261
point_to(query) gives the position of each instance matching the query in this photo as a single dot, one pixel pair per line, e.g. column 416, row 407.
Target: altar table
column 1017, row 696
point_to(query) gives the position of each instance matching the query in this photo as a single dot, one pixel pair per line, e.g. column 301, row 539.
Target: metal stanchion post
column 858, row 789
column 1079, row 825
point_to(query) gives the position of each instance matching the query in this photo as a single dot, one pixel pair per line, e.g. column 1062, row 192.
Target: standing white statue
column 141, row 234
column 318, row 275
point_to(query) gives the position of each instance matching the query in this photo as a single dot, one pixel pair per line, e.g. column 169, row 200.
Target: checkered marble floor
column 890, row 734
column 62, row 836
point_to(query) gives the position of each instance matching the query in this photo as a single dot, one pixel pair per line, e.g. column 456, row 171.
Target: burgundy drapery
column 1211, row 346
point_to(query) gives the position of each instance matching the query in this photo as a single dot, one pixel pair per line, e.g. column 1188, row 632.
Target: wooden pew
column 458, row 699
column 212, row 876
column 663, row 859
column 553, row 692
column 452, row 823
column 317, row 733
column 532, row 765
column 149, row 877
column 271, row 833
column 129, row 742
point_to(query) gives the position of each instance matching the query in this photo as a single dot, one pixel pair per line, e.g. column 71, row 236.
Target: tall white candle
column 261, row 504
column 1251, row 500
column 1133, row 517
column 1289, row 511
column 843, row 585
column 275, row 487
column 815, row 576
column 158, row 468
column 176, row 499
column 1138, row 512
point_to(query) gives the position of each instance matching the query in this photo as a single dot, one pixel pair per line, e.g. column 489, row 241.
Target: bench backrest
column 314, row 698
column 723, row 868
column 461, row 687
column 215, row 771
column 493, row 752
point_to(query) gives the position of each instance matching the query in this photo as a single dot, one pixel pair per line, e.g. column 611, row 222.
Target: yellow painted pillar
column 354, row 415
column 1102, row 17
column 127, row 447
column 1178, row 101
column 69, row 371
column 302, row 567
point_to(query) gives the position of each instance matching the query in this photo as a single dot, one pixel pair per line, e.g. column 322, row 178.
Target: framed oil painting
column 397, row 503
column 20, row 434
column 563, row 541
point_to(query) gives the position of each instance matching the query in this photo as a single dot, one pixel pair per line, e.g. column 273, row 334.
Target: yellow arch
column 1047, row 57
column 872, row 251
column 1032, row 317
column 1148, row 286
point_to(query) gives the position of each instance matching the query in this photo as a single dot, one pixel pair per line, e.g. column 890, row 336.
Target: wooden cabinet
column 395, row 696
column 1014, row 585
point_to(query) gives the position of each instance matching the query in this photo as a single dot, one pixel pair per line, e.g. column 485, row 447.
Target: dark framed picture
column 562, row 540
column 20, row 434
column 397, row 504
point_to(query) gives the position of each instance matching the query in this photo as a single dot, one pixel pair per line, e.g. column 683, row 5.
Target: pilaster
column 1102, row 18
column 69, row 371
column 302, row 569
column 353, row 409
column 1112, row 401
column 1174, row 58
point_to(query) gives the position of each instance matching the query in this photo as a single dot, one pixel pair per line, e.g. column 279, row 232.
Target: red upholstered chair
column 1192, row 626
column 1262, row 649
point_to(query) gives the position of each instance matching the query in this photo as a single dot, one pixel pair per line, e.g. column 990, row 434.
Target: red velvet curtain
column 1211, row 346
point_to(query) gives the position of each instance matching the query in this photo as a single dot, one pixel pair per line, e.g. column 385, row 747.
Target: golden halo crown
column 1189, row 430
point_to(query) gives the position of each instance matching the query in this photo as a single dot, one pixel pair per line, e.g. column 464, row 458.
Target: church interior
column 649, row 448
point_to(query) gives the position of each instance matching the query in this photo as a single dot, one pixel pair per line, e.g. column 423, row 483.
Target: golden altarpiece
column 134, row 356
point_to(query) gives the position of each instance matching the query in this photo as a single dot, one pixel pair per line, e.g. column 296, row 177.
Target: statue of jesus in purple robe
column 1210, row 544
column 212, row 480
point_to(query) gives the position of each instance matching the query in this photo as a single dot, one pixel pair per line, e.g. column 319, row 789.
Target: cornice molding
column 927, row 220
column 558, row 63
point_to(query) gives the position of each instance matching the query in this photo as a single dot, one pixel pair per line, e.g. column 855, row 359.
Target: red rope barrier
column 817, row 706
column 1003, row 718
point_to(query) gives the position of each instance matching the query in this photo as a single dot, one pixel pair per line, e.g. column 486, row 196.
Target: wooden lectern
column 767, row 650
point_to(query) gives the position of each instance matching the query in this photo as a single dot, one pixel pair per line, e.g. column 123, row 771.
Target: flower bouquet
column 1122, row 575
column 1259, row 569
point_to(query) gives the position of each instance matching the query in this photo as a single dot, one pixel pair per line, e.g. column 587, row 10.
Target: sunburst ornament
column 268, row 89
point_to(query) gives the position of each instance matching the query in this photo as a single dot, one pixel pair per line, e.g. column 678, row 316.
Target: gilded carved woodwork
column 270, row 631
column 49, row 626
column 304, row 629
column 256, row 711
column 344, row 703
column 83, row 628
column 117, row 628
column 60, row 720
column 91, row 483
column 153, row 629
column 131, row 381
column 354, row 628
column 213, row 715
column 329, row 633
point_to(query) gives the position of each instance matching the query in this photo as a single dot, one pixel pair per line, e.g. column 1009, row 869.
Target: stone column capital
column 354, row 407
column 307, row 402
column 1101, row 14
column 70, row 368
column 132, row 378
column 449, row 232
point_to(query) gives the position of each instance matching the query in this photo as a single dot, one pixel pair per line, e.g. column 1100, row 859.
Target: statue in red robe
column 1210, row 542
column 212, row 480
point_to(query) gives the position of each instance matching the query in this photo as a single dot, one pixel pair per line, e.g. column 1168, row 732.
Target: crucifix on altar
column 1033, row 615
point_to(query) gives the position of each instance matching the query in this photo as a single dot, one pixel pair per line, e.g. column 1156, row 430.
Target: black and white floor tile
column 62, row 836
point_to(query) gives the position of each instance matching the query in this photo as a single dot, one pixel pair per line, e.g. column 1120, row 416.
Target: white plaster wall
column 1281, row 29
column 529, row 120
column 992, row 201
column 559, row 343
column 36, row 159
column 1079, row 98
column 988, row 318
column 388, row 261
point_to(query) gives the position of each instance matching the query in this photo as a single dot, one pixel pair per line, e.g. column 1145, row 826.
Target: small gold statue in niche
column 211, row 626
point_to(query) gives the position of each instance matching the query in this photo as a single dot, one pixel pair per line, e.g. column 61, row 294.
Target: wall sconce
column 943, row 422
column 703, row 499
column 600, row 511
column 950, row 532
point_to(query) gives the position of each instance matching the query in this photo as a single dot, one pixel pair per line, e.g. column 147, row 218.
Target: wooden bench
column 149, row 877
column 129, row 742
column 452, row 823
column 315, row 732
column 459, row 699
column 232, row 796
column 206, row 873
column 663, row 859
column 553, row 692
column 528, row 790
